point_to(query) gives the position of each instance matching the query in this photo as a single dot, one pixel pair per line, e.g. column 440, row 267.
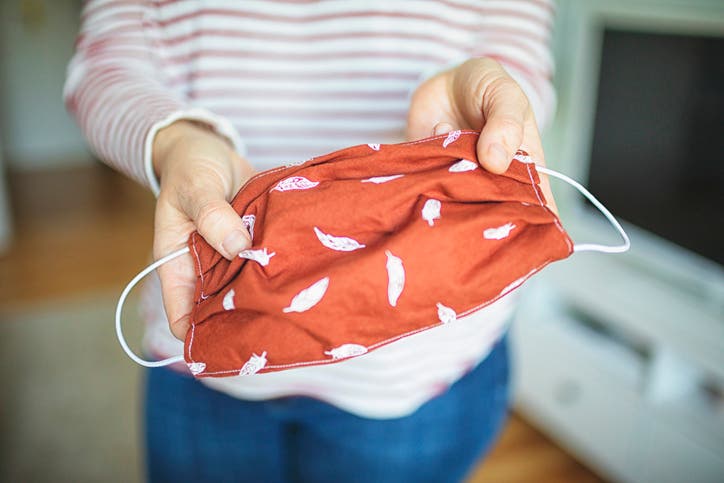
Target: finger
column 532, row 145
column 505, row 108
column 178, row 276
column 429, row 106
column 217, row 221
column 222, row 228
column 178, row 279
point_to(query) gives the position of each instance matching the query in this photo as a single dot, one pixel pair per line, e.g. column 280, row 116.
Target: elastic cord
column 122, row 300
column 577, row 248
column 594, row 247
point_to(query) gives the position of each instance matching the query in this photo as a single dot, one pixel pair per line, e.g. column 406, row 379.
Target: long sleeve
column 517, row 34
column 116, row 89
column 298, row 79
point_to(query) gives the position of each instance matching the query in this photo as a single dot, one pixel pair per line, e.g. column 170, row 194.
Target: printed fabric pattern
column 361, row 247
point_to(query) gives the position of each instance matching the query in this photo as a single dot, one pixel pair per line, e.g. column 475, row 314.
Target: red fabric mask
column 363, row 246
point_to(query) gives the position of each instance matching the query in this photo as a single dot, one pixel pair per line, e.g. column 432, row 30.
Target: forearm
column 118, row 93
column 113, row 88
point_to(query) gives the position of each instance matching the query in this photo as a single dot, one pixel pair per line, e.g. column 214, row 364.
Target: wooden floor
column 86, row 229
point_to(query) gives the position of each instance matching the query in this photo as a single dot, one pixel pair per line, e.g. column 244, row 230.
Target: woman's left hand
column 479, row 95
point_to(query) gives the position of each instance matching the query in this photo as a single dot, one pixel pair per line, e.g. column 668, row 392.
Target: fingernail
column 441, row 128
column 235, row 242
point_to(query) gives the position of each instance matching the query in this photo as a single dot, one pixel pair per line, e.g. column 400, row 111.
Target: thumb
column 221, row 226
column 505, row 113
column 216, row 221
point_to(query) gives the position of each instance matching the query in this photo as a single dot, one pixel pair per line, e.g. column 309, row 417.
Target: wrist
column 181, row 131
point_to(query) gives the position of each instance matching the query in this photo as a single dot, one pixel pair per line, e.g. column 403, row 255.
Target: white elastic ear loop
column 587, row 247
column 122, row 300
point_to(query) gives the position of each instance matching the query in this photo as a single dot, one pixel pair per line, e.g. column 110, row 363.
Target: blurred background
column 619, row 360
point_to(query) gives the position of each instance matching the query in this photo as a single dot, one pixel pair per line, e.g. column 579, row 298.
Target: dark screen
column 657, row 158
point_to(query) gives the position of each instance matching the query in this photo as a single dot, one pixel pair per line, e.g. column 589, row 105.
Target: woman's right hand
column 199, row 174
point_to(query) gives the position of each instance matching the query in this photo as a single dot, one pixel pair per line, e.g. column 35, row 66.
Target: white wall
column 36, row 42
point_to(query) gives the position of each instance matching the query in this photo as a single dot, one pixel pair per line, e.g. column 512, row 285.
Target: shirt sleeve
column 518, row 35
column 118, row 93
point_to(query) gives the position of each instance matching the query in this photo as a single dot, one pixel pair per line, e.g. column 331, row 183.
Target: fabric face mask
column 362, row 247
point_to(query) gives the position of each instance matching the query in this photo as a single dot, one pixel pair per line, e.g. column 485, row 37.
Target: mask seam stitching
column 191, row 342
column 533, row 185
column 395, row 338
column 555, row 218
column 386, row 341
column 201, row 276
column 408, row 143
column 202, row 295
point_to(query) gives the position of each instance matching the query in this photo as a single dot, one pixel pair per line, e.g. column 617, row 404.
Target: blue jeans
column 194, row 433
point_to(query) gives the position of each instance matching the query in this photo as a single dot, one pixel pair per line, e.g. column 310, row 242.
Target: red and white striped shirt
column 285, row 81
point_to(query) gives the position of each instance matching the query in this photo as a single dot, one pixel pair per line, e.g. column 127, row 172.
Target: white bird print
column 382, row 179
column 395, row 278
column 451, row 138
column 228, row 302
column 295, row 183
column 498, row 233
column 446, row 314
column 339, row 243
column 248, row 221
column 309, row 297
column 347, row 350
column 253, row 365
column 523, row 158
column 431, row 211
column 197, row 367
column 462, row 166
column 258, row 255
column 376, row 147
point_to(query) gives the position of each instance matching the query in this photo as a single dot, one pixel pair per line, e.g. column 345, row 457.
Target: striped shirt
column 286, row 81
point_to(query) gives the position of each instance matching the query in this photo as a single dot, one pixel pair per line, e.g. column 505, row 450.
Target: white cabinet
column 620, row 358
column 588, row 387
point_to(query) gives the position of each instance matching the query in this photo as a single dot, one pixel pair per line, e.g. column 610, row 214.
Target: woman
column 190, row 98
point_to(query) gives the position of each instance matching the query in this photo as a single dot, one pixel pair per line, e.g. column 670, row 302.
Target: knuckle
column 508, row 87
column 523, row 100
column 502, row 91
column 210, row 214
column 200, row 181
column 511, row 127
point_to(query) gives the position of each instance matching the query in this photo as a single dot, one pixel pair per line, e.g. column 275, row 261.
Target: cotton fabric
column 359, row 248
column 284, row 81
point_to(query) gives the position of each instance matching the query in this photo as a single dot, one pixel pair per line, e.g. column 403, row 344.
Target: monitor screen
column 657, row 157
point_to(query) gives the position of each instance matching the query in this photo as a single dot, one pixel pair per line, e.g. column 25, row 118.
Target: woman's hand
column 199, row 173
column 479, row 95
